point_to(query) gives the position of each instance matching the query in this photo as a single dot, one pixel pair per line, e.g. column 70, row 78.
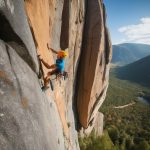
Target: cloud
column 138, row 33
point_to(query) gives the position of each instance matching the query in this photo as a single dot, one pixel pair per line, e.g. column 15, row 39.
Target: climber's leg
column 53, row 66
column 47, row 78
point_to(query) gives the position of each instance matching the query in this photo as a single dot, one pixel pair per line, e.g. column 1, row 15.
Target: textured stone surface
column 96, row 126
column 29, row 119
column 60, row 35
column 46, row 28
column 41, row 15
column 76, row 22
column 93, row 68
column 48, row 120
column 70, row 36
column 15, row 13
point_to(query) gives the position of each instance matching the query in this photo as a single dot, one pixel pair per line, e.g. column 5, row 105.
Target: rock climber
column 58, row 68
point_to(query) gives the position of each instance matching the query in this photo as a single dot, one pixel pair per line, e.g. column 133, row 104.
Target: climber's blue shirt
column 60, row 63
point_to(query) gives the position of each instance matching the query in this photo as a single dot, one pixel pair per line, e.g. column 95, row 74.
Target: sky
column 128, row 21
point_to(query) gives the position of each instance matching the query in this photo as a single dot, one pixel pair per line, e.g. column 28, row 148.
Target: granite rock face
column 30, row 118
column 93, row 70
column 97, row 126
column 14, row 12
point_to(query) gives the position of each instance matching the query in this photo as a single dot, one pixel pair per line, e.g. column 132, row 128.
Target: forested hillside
column 138, row 72
column 128, row 127
column 125, row 128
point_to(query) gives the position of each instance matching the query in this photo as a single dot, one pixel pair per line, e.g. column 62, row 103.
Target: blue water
column 143, row 100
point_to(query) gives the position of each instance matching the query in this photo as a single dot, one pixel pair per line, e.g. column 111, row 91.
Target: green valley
column 126, row 128
column 131, row 124
column 137, row 72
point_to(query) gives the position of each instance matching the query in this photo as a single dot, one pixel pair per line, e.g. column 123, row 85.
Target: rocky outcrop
column 93, row 68
column 30, row 118
column 97, row 126
column 63, row 33
column 14, row 12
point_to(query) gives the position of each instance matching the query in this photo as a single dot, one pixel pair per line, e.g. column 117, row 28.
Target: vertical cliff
column 93, row 70
column 30, row 118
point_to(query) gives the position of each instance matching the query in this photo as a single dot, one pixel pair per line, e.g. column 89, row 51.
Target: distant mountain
column 138, row 71
column 127, row 53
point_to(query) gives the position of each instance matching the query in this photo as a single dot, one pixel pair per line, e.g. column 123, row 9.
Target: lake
column 143, row 100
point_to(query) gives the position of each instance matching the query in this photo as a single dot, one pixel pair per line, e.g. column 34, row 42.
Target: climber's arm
column 46, row 64
column 51, row 49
